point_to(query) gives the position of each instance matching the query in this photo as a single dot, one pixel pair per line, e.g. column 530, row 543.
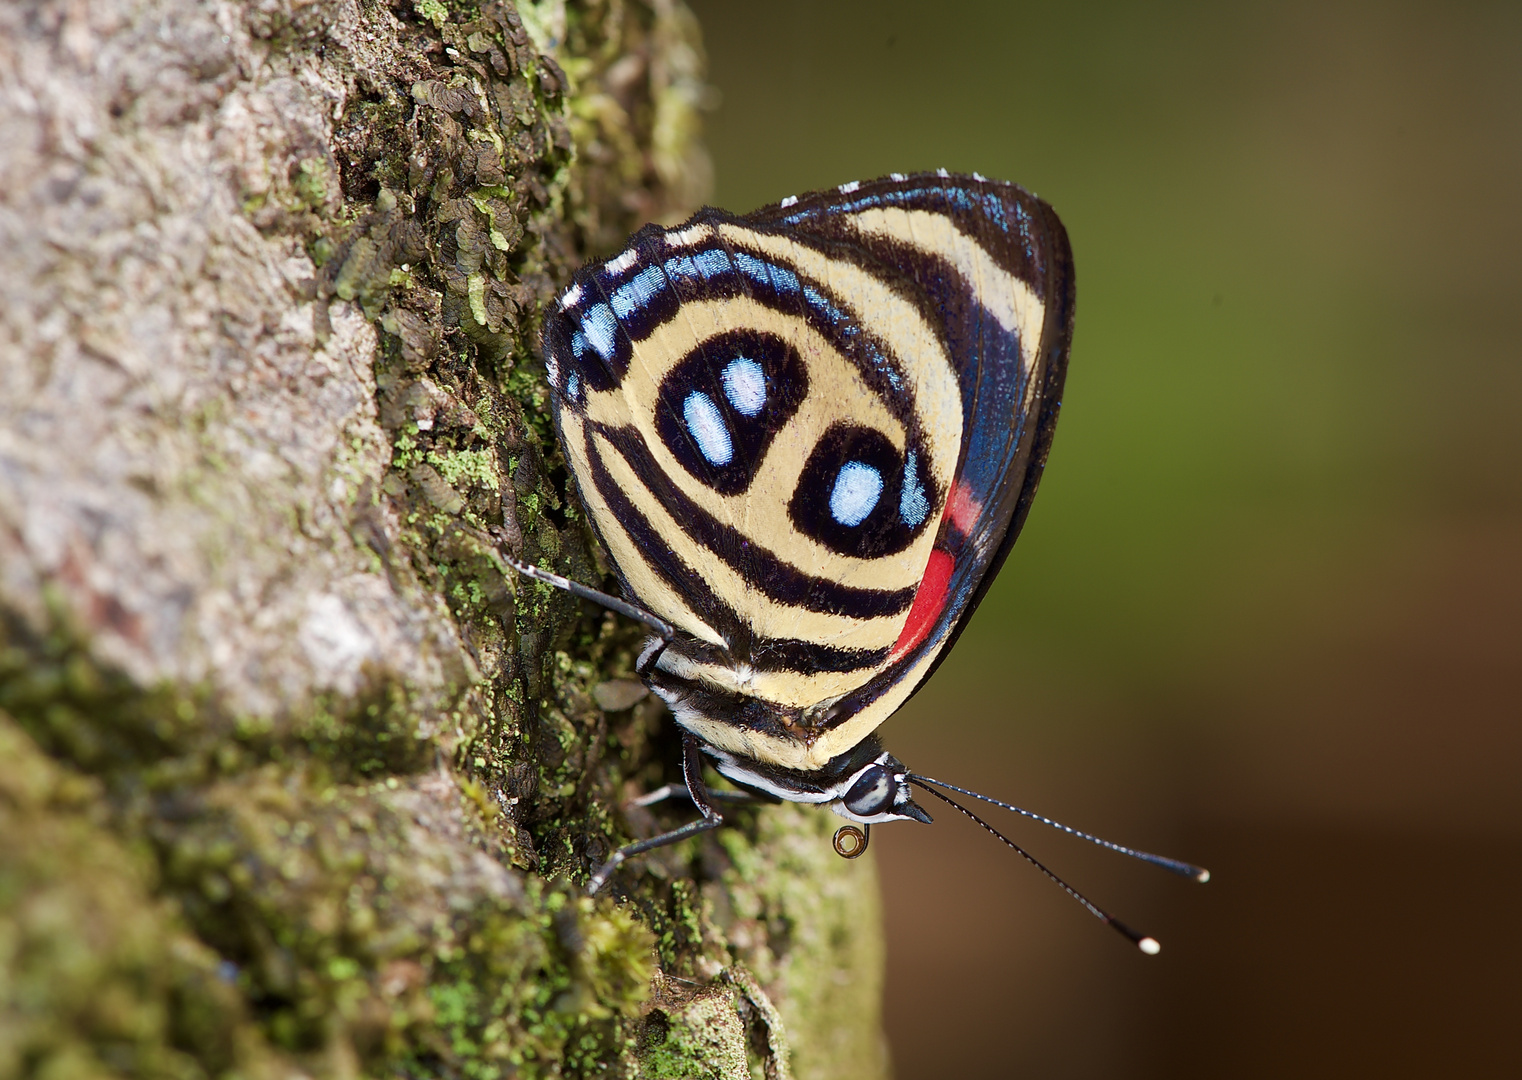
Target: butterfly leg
column 670, row 791
column 692, row 772
column 692, row 755
column 663, row 628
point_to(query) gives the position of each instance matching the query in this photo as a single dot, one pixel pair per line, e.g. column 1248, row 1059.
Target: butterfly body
column 807, row 437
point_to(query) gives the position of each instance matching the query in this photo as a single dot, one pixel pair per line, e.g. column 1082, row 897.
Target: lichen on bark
column 294, row 780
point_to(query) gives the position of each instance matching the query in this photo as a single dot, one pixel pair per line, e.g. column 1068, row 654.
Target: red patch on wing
column 929, row 601
column 962, row 508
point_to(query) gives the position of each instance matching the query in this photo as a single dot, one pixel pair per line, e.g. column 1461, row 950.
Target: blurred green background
column 1267, row 611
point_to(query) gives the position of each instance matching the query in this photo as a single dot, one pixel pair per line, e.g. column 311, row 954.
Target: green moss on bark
column 101, row 975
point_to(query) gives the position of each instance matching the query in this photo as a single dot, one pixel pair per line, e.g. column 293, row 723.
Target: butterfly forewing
column 807, row 436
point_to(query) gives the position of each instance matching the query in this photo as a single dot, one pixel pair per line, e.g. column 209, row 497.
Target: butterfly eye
column 872, row 793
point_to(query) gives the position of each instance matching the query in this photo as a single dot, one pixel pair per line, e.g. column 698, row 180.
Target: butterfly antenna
column 1174, row 866
column 1144, row 942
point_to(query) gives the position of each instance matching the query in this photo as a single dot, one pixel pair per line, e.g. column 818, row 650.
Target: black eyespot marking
column 861, row 497
column 872, row 793
column 719, row 408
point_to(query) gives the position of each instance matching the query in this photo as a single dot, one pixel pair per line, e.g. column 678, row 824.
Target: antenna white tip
column 1149, row 946
column 1203, row 876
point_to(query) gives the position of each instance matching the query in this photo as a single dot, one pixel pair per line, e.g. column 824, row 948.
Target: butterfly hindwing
column 808, row 435
column 995, row 263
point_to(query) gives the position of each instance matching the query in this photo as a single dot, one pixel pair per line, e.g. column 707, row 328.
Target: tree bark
column 294, row 780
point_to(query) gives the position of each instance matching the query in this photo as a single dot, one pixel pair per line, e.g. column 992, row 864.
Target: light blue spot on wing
column 913, row 505
column 598, row 324
column 765, row 273
column 636, row 293
column 578, row 343
column 711, row 263
column 706, row 425
column 745, row 385
column 858, row 486
column 573, row 387
column 752, row 268
column 680, row 266
column 784, row 280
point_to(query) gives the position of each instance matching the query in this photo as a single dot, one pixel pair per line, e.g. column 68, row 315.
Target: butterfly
column 807, row 438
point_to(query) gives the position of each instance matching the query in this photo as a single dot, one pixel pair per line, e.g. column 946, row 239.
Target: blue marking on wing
column 857, row 488
column 702, row 264
column 753, row 268
column 635, row 294
column 764, row 273
column 715, row 263
column 707, row 427
column 680, row 267
column 988, row 205
column 913, row 503
column 711, row 263
column 745, row 385
column 579, row 344
column 599, row 325
column 846, row 327
column 838, row 319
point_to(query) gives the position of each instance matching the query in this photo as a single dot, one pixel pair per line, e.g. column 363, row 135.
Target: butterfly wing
column 994, row 262
column 808, row 436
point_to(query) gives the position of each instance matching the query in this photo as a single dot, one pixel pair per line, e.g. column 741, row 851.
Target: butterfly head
column 866, row 784
column 878, row 792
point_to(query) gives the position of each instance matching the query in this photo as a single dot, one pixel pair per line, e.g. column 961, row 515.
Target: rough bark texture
column 293, row 779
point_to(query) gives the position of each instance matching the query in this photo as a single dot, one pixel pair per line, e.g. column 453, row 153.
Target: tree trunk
column 294, row 780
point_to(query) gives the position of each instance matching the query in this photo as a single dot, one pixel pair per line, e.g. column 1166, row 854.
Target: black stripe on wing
column 1004, row 448
column 743, row 644
column 1012, row 219
column 592, row 331
column 776, row 579
column 681, row 578
column 785, row 655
